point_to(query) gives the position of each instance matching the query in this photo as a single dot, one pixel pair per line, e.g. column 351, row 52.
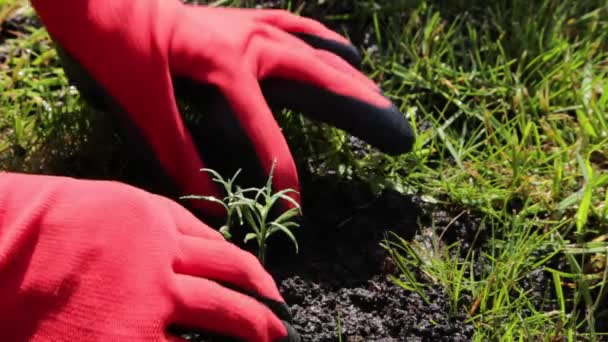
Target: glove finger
column 296, row 79
column 242, row 100
column 313, row 33
column 257, row 121
column 339, row 64
column 225, row 263
column 207, row 306
column 219, row 136
column 330, row 58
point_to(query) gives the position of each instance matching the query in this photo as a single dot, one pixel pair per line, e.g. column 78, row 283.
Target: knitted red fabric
column 103, row 261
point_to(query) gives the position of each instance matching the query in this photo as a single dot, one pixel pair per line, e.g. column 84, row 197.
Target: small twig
column 451, row 223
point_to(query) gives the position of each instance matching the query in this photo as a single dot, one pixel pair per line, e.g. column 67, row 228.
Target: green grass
column 509, row 101
column 44, row 126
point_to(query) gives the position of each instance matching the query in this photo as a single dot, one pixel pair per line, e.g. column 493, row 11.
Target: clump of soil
column 375, row 311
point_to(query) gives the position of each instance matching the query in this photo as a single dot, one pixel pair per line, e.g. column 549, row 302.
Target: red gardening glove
column 103, row 261
column 126, row 56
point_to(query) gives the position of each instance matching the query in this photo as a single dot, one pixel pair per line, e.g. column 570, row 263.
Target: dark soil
column 341, row 272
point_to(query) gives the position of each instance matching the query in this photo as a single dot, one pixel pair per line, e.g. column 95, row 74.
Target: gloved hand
column 127, row 56
column 103, row 261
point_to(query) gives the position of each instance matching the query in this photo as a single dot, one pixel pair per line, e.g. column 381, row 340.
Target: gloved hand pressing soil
column 131, row 57
column 88, row 260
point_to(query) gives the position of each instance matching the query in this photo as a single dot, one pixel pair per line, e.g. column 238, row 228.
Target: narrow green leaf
column 288, row 215
column 287, row 232
column 206, row 198
column 583, row 209
column 249, row 237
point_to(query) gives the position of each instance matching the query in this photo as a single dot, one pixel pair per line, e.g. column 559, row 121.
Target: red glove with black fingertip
column 131, row 58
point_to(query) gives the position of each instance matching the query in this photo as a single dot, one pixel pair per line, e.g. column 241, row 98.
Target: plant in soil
column 253, row 207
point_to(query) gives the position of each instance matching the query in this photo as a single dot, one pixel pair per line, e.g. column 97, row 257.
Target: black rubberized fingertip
column 385, row 128
column 292, row 334
column 397, row 137
column 346, row 51
column 280, row 309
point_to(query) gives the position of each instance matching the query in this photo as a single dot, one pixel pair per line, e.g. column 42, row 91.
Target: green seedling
column 253, row 207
